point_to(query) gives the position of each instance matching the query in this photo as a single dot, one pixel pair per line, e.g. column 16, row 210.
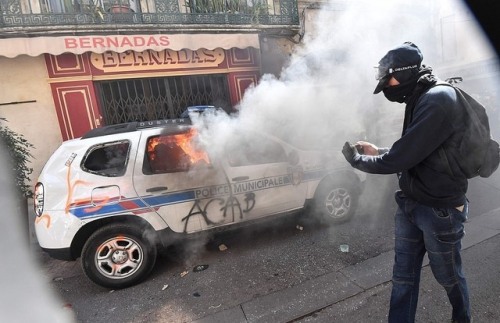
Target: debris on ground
column 344, row 248
column 199, row 268
column 222, row 247
column 165, row 287
column 214, row 307
column 184, row 273
column 299, row 227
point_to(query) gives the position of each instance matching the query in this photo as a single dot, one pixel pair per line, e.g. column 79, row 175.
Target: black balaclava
column 407, row 81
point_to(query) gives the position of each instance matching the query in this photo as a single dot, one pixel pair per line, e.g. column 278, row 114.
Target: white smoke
column 323, row 97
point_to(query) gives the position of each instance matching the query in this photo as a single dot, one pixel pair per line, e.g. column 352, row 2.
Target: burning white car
column 116, row 195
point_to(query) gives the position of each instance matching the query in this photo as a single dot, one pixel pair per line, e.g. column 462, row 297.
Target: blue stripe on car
column 81, row 211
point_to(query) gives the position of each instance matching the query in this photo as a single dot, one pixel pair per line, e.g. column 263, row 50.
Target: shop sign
column 112, row 62
column 56, row 45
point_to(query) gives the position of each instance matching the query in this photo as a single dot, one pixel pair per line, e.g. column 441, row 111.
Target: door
column 180, row 181
column 258, row 169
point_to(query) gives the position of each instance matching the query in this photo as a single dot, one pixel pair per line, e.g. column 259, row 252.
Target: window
column 253, row 150
column 160, row 98
column 108, row 159
column 173, row 153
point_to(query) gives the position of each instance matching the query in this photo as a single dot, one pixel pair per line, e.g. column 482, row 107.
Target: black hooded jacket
column 427, row 173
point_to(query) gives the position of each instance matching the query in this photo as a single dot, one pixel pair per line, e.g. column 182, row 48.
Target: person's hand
column 366, row 148
column 350, row 152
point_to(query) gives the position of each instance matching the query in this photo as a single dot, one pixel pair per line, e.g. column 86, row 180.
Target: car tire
column 118, row 256
column 335, row 201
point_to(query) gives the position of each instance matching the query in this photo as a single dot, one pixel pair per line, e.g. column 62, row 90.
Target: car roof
column 139, row 125
column 136, row 126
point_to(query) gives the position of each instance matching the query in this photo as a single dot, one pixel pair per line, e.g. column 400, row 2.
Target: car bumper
column 60, row 254
column 57, row 230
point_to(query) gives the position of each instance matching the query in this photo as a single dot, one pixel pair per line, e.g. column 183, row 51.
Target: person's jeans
column 437, row 231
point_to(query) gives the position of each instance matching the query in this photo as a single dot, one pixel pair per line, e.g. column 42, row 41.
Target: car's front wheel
column 335, row 200
column 118, row 256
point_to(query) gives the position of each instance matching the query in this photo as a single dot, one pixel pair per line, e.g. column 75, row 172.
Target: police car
column 121, row 192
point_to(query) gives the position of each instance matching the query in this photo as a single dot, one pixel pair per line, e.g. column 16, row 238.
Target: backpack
column 479, row 154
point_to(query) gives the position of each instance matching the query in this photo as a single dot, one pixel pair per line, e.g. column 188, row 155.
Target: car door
column 263, row 181
column 98, row 179
column 179, row 180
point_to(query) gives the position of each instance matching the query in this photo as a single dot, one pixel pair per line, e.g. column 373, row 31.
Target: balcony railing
column 23, row 13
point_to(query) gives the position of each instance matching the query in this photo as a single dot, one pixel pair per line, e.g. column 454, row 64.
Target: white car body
column 76, row 195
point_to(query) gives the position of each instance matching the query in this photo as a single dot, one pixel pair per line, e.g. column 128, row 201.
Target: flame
column 183, row 141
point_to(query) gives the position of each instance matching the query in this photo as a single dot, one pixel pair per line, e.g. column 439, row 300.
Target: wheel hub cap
column 119, row 257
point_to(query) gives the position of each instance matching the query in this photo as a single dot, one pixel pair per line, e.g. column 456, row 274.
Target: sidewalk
column 360, row 293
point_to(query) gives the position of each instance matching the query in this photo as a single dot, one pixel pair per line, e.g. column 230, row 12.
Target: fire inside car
column 174, row 153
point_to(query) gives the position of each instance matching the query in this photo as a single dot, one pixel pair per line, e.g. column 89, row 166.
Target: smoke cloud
column 323, row 97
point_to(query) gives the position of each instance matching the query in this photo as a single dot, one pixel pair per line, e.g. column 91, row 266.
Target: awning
column 12, row 47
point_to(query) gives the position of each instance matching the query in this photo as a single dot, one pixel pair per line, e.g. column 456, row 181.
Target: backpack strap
column 424, row 84
column 441, row 149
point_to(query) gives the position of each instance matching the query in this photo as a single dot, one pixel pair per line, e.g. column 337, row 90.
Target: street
column 259, row 260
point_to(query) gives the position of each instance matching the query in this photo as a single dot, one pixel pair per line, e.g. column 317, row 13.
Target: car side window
column 173, row 153
column 254, row 150
column 109, row 159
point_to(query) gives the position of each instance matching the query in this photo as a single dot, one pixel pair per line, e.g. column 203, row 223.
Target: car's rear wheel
column 335, row 200
column 118, row 256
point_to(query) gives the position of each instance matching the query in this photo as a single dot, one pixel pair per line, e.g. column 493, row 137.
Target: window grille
column 159, row 98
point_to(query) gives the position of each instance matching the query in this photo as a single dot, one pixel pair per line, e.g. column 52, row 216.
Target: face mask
column 398, row 93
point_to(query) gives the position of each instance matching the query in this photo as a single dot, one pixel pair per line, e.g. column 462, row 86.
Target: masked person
column 432, row 206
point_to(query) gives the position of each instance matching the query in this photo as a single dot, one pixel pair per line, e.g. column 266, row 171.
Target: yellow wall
column 24, row 78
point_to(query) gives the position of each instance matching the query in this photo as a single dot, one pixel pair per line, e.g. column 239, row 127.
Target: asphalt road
column 259, row 260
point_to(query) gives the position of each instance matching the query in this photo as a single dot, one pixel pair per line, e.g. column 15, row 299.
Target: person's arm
column 427, row 131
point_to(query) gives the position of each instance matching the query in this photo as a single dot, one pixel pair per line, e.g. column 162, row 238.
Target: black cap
column 400, row 60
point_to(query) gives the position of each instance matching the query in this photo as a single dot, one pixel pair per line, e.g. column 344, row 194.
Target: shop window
column 160, row 98
column 173, row 153
column 108, row 159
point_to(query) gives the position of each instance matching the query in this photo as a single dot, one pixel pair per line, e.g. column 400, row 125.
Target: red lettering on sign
column 164, row 41
column 152, row 41
column 139, row 41
column 111, row 42
column 98, row 42
column 126, row 42
column 85, row 42
column 114, row 41
column 70, row 43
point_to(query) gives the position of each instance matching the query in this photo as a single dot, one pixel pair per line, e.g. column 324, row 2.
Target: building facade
column 69, row 66
column 73, row 65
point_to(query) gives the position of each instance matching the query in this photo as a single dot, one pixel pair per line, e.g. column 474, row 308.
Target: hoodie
column 433, row 118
